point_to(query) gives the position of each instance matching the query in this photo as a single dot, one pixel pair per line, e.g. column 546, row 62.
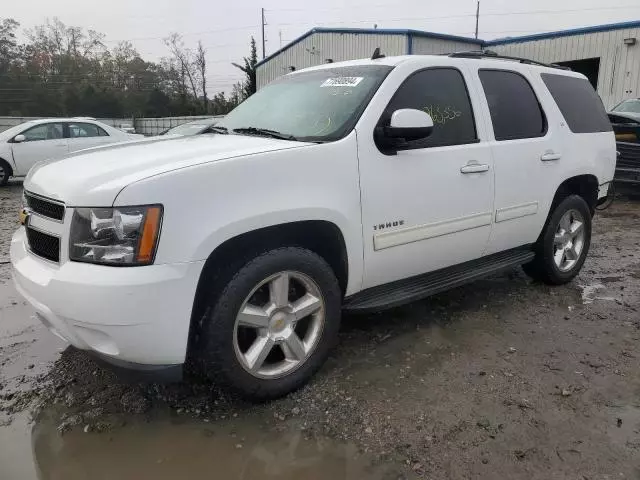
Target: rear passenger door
column 86, row 135
column 527, row 154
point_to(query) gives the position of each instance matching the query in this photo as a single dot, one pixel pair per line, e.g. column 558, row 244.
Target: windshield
column 629, row 106
column 321, row 105
column 188, row 128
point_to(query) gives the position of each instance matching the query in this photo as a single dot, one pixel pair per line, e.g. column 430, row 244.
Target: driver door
column 429, row 205
column 42, row 142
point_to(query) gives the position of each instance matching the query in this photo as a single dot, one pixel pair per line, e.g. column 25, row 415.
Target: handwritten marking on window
column 442, row 114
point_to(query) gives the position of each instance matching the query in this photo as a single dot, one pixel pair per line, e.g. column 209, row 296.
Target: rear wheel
column 564, row 244
column 5, row 173
column 273, row 325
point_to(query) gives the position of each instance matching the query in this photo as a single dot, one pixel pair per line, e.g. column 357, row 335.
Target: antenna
column 377, row 54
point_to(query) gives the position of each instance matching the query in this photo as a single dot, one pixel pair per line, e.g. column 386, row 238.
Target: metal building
column 609, row 55
column 322, row 45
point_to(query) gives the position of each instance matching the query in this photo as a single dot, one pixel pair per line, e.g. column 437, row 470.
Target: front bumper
column 126, row 315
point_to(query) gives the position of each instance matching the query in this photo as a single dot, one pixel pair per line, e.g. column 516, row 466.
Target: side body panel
column 212, row 203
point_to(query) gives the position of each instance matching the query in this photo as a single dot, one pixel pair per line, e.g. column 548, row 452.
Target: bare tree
column 184, row 58
column 201, row 66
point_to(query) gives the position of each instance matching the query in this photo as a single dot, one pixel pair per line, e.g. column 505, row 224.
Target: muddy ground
column 503, row 378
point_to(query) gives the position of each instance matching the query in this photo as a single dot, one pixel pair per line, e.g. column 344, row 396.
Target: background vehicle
column 358, row 185
column 22, row 146
column 127, row 128
column 196, row 127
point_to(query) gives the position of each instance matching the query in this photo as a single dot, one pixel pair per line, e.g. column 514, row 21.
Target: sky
column 226, row 28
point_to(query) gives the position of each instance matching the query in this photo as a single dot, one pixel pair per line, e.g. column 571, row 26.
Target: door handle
column 474, row 167
column 60, row 145
column 550, row 157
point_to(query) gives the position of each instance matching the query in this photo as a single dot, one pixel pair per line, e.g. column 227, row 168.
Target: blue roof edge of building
column 442, row 36
column 563, row 33
column 376, row 31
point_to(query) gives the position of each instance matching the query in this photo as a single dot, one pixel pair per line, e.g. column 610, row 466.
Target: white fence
column 145, row 126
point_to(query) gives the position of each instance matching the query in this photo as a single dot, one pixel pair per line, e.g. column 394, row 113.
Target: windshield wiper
column 219, row 129
column 265, row 132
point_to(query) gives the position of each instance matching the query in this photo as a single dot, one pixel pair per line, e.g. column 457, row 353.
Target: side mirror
column 19, row 138
column 410, row 124
column 406, row 124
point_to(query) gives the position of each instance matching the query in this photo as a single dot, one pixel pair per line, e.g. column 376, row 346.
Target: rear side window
column 579, row 103
column 442, row 93
column 515, row 110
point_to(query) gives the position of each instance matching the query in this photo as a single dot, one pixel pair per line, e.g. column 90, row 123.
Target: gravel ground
column 503, row 378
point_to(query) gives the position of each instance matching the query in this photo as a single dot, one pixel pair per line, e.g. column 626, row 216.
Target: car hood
column 94, row 177
column 629, row 115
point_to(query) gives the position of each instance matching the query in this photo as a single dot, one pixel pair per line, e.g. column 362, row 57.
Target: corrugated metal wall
column 433, row 46
column 316, row 48
column 619, row 75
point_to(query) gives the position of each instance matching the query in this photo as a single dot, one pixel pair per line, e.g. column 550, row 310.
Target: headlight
column 115, row 236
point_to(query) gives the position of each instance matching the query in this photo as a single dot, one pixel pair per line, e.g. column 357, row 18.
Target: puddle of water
column 589, row 293
column 194, row 450
column 15, row 450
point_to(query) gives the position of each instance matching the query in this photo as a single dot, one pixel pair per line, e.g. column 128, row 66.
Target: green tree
column 249, row 86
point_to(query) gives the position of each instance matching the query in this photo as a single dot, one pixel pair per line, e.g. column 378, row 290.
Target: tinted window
column 47, row 131
column 84, row 130
column 442, row 93
column 579, row 103
column 515, row 110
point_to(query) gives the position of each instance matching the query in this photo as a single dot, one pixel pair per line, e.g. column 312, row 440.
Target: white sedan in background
column 24, row 145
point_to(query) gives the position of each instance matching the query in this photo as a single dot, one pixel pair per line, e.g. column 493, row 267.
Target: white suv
column 349, row 186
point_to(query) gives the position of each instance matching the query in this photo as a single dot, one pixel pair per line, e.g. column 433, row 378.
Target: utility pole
column 477, row 17
column 263, row 40
column 280, row 35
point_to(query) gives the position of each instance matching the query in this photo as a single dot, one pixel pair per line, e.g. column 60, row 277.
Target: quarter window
column 442, row 93
column 46, row 131
column 515, row 109
column 85, row 130
column 580, row 105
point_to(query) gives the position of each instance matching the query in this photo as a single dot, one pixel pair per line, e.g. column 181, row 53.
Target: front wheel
column 564, row 244
column 273, row 325
column 5, row 172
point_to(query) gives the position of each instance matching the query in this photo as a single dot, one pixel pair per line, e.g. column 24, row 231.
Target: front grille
column 44, row 245
column 43, row 207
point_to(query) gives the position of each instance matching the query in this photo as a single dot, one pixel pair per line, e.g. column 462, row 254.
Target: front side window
column 46, row 131
column 321, row 105
column 442, row 93
column 84, row 130
column 515, row 110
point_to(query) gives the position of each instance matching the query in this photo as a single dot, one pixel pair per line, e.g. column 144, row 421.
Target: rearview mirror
column 406, row 124
column 19, row 138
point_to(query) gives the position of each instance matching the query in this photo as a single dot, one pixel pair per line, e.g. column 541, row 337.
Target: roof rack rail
column 492, row 54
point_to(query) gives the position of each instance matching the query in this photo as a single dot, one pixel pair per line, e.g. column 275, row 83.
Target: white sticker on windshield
column 342, row 82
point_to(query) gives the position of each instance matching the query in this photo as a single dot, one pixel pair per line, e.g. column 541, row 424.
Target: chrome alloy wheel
column 279, row 325
column 569, row 239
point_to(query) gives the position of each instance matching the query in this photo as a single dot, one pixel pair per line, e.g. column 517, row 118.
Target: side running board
column 415, row 288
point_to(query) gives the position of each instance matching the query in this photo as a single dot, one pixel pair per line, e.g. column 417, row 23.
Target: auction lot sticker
column 342, row 82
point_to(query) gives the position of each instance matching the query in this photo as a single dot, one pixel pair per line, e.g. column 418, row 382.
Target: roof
column 372, row 31
column 564, row 33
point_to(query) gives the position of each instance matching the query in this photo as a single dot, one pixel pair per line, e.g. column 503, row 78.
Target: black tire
column 543, row 267
column 5, row 173
column 214, row 353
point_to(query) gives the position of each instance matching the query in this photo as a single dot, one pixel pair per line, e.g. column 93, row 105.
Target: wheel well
column 321, row 237
column 584, row 185
column 2, row 160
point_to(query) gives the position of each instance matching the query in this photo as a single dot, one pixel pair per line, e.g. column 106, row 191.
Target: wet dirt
column 503, row 378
